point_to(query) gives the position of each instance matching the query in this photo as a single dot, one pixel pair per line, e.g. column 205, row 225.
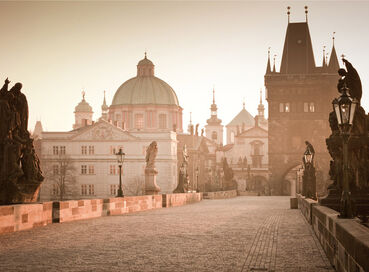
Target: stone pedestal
column 293, row 203
column 151, row 188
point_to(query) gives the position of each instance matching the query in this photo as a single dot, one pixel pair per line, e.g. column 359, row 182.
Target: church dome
column 145, row 88
column 83, row 106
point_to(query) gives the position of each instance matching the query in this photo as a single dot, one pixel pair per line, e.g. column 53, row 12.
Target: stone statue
column 310, row 148
column 151, row 188
column 151, row 153
column 183, row 178
column 197, row 130
column 202, row 132
column 20, row 172
column 351, row 80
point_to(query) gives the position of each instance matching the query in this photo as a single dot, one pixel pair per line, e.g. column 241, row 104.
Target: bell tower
column 214, row 127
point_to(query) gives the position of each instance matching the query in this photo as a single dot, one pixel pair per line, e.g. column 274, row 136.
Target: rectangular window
column 83, row 169
column 55, row 169
column 139, row 121
column 91, row 189
column 306, row 107
column 91, row 150
column 112, row 150
column 84, row 189
column 84, row 150
column 91, row 170
column 55, row 150
column 312, row 107
column 113, row 189
column 162, row 121
column 281, row 107
column 62, row 150
column 112, row 169
column 287, row 107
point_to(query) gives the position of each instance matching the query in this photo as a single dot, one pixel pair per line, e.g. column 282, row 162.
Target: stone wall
column 306, row 207
column 220, row 194
column 25, row 216
column 345, row 241
column 173, row 200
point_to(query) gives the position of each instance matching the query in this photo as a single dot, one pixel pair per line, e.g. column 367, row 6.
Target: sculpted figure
column 185, row 155
column 352, row 80
column 151, row 153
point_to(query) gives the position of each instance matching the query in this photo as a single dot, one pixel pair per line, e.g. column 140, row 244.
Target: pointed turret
column 268, row 70
column 261, row 106
column 104, row 109
column 298, row 56
column 333, row 65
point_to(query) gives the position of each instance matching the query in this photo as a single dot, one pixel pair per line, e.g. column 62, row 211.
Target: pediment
column 103, row 131
column 254, row 132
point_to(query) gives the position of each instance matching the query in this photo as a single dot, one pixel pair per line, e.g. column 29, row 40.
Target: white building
column 144, row 109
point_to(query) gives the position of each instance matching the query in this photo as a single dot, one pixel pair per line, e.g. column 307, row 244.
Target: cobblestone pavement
column 239, row 234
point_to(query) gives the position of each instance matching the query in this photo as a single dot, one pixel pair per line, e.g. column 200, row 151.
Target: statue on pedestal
column 20, row 172
column 183, row 178
column 151, row 188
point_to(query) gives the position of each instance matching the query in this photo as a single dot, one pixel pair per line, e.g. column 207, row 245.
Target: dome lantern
column 145, row 67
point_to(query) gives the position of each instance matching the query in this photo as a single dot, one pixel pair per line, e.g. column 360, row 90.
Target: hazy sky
column 58, row 49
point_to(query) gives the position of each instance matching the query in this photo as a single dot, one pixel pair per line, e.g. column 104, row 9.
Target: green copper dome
column 145, row 88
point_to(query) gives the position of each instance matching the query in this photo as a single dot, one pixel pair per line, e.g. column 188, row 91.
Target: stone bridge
column 237, row 234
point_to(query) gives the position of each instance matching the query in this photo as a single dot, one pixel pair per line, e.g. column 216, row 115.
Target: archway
column 259, row 184
column 289, row 180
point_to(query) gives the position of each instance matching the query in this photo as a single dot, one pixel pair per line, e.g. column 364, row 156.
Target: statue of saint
column 351, row 79
column 151, row 153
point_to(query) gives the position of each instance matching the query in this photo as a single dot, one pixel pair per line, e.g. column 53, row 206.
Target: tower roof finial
column 324, row 56
column 83, row 94
column 333, row 38
column 145, row 54
column 288, row 13
column 261, row 95
column 213, row 95
column 274, row 62
column 243, row 104
column 190, row 117
column 306, row 13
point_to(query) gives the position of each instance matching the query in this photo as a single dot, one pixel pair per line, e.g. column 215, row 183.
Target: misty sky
column 58, row 49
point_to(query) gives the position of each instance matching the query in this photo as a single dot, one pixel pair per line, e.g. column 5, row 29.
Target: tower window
column 214, row 135
column 306, row 107
column 287, row 107
column 312, row 107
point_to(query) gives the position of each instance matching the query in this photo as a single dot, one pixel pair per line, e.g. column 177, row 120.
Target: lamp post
column 344, row 108
column 309, row 180
column 120, row 158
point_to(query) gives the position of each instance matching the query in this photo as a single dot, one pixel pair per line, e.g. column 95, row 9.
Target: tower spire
column 104, row 109
column 213, row 95
column 274, row 62
column 324, row 62
column 306, row 13
column 333, row 65
column 268, row 70
column 288, row 13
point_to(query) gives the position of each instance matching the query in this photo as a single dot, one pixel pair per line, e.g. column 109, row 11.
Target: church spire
column 261, row 106
column 333, row 65
column 324, row 63
column 214, row 112
column 104, row 109
column 268, row 70
column 274, row 62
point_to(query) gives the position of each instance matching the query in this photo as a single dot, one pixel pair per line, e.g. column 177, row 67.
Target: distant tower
column 299, row 102
column 190, row 128
column 261, row 121
column 82, row 113
column 104, row 110
column 214, row 127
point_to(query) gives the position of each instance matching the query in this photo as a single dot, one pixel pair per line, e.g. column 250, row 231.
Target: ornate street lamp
column 344, row 108
column 120, row 158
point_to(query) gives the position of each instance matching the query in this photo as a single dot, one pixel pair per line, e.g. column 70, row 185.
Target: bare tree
column 61, row 173
column 135, row 186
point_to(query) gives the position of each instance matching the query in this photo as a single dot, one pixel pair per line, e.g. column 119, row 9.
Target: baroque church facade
column 144, row 109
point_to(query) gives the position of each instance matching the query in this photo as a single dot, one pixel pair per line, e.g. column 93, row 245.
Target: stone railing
column 220, row 194
column 21, row 217
column 26, row 216
column 345, row 241
column 172, row 200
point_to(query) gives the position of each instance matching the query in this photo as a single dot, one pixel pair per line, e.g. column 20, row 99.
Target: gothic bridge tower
column 299, row 98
